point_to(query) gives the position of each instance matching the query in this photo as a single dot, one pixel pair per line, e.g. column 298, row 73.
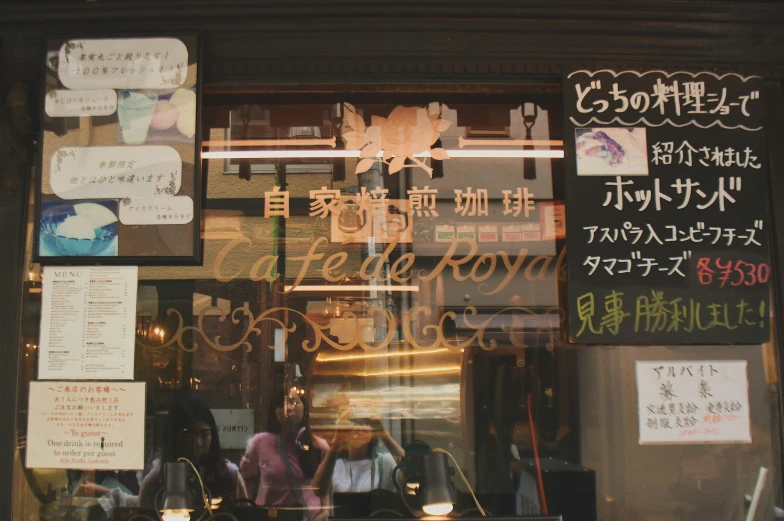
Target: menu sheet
column 88, row 323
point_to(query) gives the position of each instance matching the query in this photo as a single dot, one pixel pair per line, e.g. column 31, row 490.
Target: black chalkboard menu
column 667, row 229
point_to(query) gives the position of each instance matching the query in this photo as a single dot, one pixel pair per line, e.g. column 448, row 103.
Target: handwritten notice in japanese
column 655, row 98
column 123, row 63
column 89, row 322
column 61, row 103
column 86, row 425
column 115, row 172
column 693, row 402
column 235, row 427
column 666, row 194
column 157, row 210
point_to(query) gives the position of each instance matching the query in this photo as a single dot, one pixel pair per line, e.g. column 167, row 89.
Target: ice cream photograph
column 78, row 229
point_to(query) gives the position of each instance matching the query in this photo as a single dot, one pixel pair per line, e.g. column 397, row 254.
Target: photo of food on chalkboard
column 78, row 229
column 611, row 151
column 149, row 116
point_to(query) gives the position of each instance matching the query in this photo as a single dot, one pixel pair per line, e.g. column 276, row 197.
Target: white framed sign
column 700, row 401
column 86, row 425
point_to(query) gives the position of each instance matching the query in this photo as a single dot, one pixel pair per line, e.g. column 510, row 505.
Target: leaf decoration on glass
column 400, row 140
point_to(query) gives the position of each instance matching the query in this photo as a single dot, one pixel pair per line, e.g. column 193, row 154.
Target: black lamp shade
column 436, row 484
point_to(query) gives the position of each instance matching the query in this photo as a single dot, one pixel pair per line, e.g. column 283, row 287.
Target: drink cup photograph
column 135, row 110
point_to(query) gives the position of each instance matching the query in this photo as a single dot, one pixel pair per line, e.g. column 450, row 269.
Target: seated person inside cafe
column 193, row 434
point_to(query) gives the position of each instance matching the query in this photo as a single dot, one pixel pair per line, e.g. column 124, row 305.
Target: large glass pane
column 381, row 295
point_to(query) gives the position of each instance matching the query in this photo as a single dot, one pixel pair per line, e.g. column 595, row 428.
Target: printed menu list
column 88, row 324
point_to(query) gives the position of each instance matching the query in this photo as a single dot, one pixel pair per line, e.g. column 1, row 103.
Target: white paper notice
column 123, row 63
column 235, row 427
column 705, row 401
column 88, row 329
column 63, row 103
column 115, row 172
column 86, row 425
column 157, row 210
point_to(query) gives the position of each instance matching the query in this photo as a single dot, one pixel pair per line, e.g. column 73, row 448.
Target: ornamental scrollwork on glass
column 417, row 328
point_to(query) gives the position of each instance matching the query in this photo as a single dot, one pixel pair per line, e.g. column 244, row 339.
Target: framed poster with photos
column 119, row 155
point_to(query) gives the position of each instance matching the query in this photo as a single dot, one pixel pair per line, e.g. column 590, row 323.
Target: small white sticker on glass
column 115, row 172
column 123, row 63
column 64, row 103
column 156, row 210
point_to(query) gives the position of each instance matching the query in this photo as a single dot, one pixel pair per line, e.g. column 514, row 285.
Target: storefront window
column 383, row 293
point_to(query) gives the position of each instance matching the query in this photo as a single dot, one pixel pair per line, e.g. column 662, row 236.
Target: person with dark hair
column 193, row 434
column 287, row 462
column 361, row 458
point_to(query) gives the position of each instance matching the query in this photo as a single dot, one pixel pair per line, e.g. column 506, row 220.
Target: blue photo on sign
column 78, row 229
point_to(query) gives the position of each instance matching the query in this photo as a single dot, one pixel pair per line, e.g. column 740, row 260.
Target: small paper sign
column 86, row 425
column 705, row 401
column 115, row 172
column 123, row 63
column 157, row 210
column 235, row 427
column 63, row 103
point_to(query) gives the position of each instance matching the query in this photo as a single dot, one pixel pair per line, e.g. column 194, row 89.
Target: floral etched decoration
column 396, row 140
column 419, row 329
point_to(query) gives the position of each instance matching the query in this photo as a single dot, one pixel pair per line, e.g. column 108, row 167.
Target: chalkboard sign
column 667, row 228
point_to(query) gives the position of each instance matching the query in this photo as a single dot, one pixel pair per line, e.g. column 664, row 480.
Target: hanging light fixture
column 438, row 493
column 426, row 474
column 176, row 506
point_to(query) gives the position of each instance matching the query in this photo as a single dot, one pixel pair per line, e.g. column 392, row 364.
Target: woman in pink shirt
column 287, row 462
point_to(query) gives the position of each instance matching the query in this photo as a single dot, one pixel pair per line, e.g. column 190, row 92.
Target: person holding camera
column 360, row 458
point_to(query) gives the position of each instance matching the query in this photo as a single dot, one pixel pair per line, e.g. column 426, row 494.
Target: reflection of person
column 286, row 462
column 194, row 435
column 360, row 459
